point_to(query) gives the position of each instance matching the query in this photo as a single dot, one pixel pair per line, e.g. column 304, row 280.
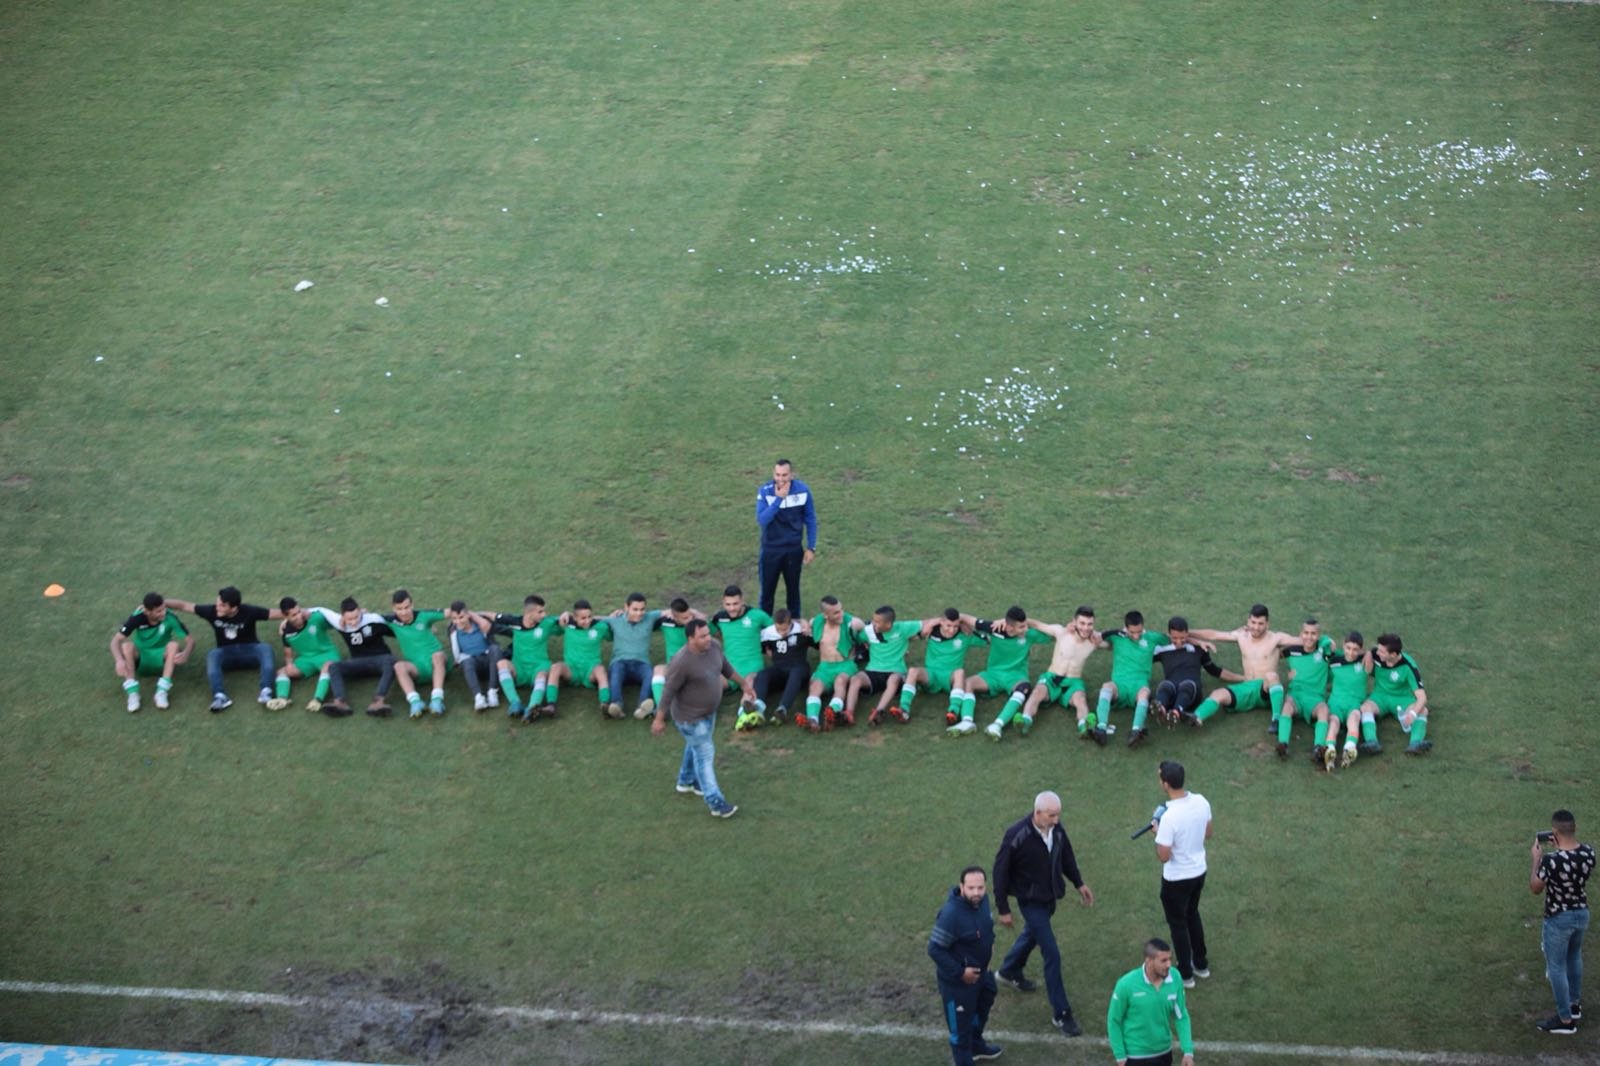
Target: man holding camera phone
column 1561, row 874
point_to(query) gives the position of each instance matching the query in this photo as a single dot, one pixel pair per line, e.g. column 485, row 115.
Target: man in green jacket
column 1147, row 1006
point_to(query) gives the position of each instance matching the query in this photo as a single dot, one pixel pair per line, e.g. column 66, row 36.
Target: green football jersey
column 1310, row 668
column 1133, row 659
column 1397, row 682
column 672, row 636
column 848, row 637
column 314, row 640
column 417, row 641
column 1009, row 655
column 153, row 637
column 947, row 654
column 741, row 638
column 530, row 645
column 581, row 649
column 886, row 652
column 1349, row 680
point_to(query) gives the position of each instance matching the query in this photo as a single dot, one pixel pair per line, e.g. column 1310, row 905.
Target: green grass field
column 1174, row 307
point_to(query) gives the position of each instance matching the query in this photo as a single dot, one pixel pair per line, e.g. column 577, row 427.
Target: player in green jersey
column 837, row 634
column 1305, row 676
column 1005, row 669
column 151, row 641
column 886, row 666
column 679, row 614
column 739, row 628
column 308, row 651
column 944, row 665
column 1349, row 673
column 1396, row 690
column 530, row 658
column 422, row 656
column 1062, row 681
column 582, row 638
column 1133, row 650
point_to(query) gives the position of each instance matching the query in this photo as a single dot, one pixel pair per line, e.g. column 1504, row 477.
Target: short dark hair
column 783, row 462
column 1178, row 622
column 694, row 626
column 230, row 596
column 679, row 604
column 533, row 600
column 952, row 615
column 152, row 600
column 1133, row 618
column 582, row 605
column 349, row 604
column 830, row 600
column 1310, row 621
column 733, row 590
column 1391, row 641
column 1084, row 611
column 1259, row 610
column 1155, row 946
column 1172, row 773
column 780, row 616
column 1564, row 821
column 971, row 870
column 287, row 604
column 1354, row 637
column 458, row 606
column 1016, row 614
column 886, row 611
column 400, row 595
column 636, row 597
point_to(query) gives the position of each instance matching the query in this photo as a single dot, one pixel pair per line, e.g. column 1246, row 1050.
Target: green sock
column 165, row 684
column 130, row 686
column 1102, row 707
column 324, row 683
column 656, row 685
column 1140, row 711
column 605, row 693
column 956, row 700
column 1419, row 730
column 538, row 695
column 280, row 688
column 1319, row 735
column 508, row 685
column 1369, row 730
column 969, row 706
column 836, row 705
column 907, row 694
column 1206, row 709
column 1009, row 711
column 1275, row 694
column 1285, row 726
column 1083, row 725
column 813, row 707
column 415, row 699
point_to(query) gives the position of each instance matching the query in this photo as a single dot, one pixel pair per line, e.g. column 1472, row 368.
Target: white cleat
column 994, row 730
column 133, row 702
column 162, row 703
column 962, row 728
column 277, row 704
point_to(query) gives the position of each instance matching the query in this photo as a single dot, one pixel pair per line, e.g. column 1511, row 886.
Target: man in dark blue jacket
column 787, row 516
column 1034, row 863
column 960, row 947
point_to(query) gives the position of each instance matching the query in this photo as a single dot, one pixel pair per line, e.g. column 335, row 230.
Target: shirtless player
column 1063, row 682
column 1258, row 654
column 836, row 633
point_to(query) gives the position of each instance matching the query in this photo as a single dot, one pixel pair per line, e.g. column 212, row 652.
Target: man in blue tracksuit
column 960, row 947
column 788, row 519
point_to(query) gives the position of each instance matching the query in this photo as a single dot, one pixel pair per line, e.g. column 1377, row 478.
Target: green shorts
column 1342, row 708
column 1306, row 701
column 1059, row 689
column 1128, row 690
column 152, row 661
column 425, row 670
column 937, row 680
column 1001, row 682
column 1389, row 705
column 1249, row 696
column 583, row 680
column 525, row 674
column 311, row 665
column 825, row 673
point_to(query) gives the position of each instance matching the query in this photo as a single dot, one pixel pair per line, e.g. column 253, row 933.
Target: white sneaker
column 1201, row 971
column 162, row 703
column 994, row 730
column 265, row 697
column 133, row 701
column 479, row 702
column 646, row 708
column 494, row 697
column 962, row 728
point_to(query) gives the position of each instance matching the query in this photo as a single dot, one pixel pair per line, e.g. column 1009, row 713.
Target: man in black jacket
column 960, row 946
column 1034, row 863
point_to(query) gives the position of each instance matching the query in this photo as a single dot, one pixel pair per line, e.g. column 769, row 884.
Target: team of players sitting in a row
column 1307, row 676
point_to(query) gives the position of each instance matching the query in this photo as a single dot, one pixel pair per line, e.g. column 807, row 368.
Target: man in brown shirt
column 690, row 694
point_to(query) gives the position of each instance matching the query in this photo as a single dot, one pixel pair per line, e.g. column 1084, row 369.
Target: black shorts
column 877, row 680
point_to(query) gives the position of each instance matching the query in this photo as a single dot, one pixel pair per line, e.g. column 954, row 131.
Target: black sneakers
column 1555, row 1025
column 1068, row 1024
column 983, row 1051
column 1017, row 981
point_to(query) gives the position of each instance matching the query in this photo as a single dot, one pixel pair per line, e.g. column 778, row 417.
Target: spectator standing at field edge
column 1181, row 835
column 1561, row 875
column 1147, row 1006
column 961, row 945
column 787, row 516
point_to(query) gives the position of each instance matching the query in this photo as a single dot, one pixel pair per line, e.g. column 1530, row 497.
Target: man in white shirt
column 1182, row 830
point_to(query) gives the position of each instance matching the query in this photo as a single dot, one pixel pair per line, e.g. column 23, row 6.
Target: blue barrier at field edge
column 45, row 1055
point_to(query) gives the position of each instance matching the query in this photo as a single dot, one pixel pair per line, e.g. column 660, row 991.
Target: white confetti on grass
column 999, row 412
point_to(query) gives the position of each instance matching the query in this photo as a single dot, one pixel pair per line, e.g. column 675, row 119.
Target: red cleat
column 827, row 719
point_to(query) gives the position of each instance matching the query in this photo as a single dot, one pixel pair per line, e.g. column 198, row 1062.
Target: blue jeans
column 630, row 672
column 1036, row 932
column 1563, row 957
column 235, row 657
column 699, row 755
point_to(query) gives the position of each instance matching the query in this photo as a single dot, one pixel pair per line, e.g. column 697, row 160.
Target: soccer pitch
column 1145, row 306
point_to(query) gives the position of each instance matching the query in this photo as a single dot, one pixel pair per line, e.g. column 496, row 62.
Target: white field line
column 550, row 1015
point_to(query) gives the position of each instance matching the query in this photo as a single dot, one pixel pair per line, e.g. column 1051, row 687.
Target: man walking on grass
column 961, row 945
column 1147, row 1007
column 692, row 690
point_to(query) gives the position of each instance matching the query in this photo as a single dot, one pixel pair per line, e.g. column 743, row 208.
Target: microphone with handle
column 1154, row 818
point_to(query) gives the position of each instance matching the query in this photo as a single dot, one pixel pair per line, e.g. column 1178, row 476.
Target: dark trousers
column 1181, row 901
column 1036, row 933
column 381, row 666
column 785, row 563
column 966, row 1012
column 793, row 679
column 1183, row 696
column 1163, row 1059
column 485, row 662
